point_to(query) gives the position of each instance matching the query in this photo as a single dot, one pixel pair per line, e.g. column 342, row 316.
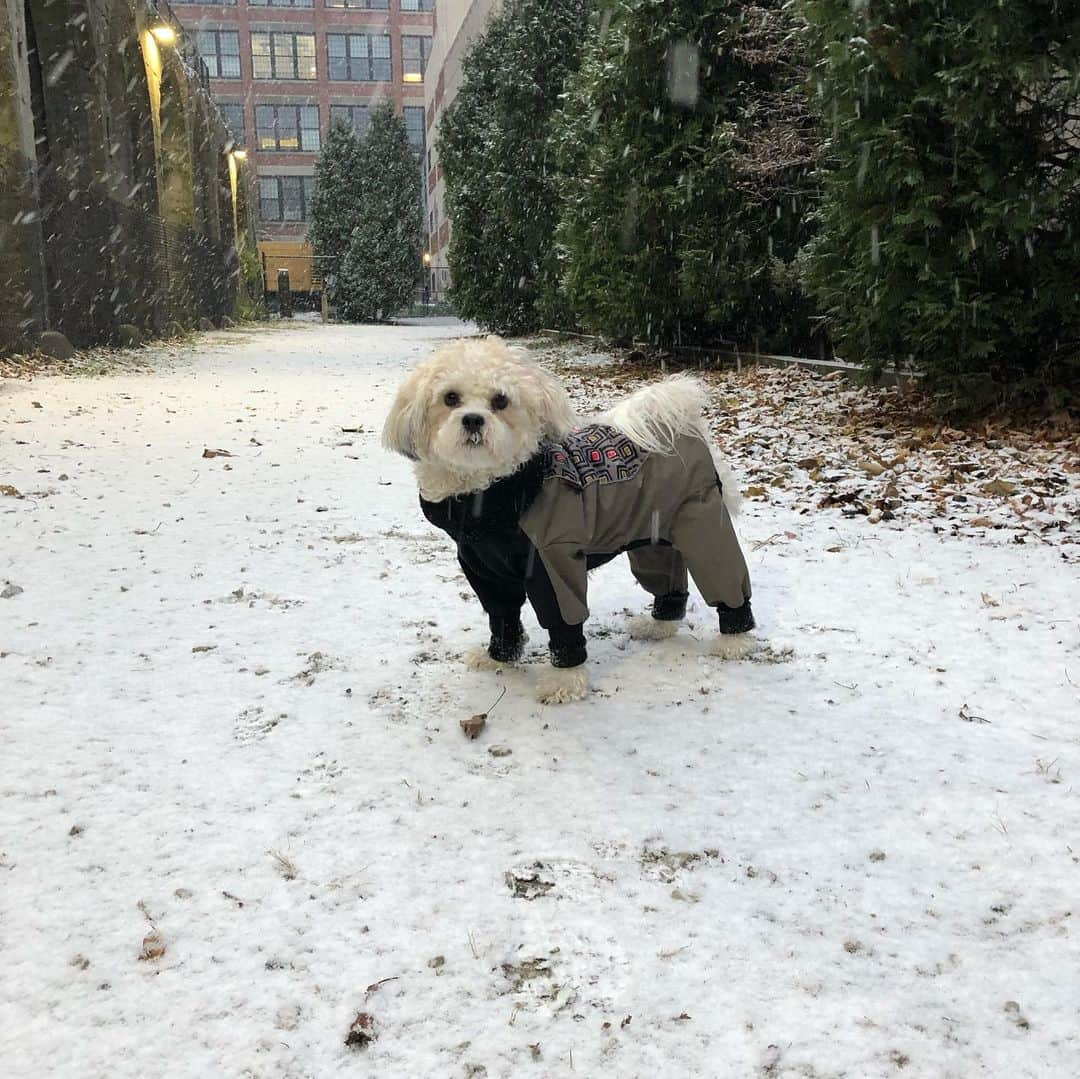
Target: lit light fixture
column 413, row 76
column 240, row 155
column 164, row 34
column 427, row 258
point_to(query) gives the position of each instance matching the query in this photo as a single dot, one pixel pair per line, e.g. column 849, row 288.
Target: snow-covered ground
column 230, row 695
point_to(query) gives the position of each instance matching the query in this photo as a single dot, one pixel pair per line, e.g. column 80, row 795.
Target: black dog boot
column 670, row 608
column 735, row 619
column 507, row 639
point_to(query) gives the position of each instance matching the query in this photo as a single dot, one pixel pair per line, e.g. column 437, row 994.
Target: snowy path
column 859, row 862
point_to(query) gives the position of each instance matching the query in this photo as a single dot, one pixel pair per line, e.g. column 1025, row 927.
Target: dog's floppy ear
column 556, row 412
column 404, row 425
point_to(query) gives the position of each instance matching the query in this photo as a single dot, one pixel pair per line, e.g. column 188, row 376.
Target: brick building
column 458, row 22
column 282, row 70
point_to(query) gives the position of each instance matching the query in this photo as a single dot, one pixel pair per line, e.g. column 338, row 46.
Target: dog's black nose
column 472, row 421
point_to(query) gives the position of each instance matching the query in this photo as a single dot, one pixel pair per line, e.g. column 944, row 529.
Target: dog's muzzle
column 473, row 423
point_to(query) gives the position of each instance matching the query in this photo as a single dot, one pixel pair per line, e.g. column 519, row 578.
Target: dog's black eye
column 451, row 399
column 499, row 402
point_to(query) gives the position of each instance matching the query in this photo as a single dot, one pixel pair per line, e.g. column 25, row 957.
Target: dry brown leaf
column 998, row 487
column 755, row 491
column 362, row 1031
column 472, row 726
column 153, row 946
column 11, row 492
column 216, row 453
column 989, row 601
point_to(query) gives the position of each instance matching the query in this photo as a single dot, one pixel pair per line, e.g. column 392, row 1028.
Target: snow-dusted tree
column 502, row 188
column 336, row 203
column 950, row 224
column 382, row 264
column 367, row 217
column 688, row 174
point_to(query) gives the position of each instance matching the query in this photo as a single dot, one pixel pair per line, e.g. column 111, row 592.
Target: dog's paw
column 560, row 685
column 643, row 627
column 733, row 646
column 477, row 659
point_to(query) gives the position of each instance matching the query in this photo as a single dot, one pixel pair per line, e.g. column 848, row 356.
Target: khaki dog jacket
column 582, row 501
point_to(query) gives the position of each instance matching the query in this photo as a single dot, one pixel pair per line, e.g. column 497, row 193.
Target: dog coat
column 582, row 501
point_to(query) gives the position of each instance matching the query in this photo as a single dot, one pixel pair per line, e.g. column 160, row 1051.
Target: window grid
column 355, row 117
column 283, row 56
column 415, row 51
column 285, row 198
column 370, row 5
column 417, row 5
column 359, row 57
column 415, row 127
column 288, row 128
column 220, row 50
column 274, row 3
column 233, row 114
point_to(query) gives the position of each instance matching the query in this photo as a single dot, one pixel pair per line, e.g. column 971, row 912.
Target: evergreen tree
column 689, row 185
column 502, row 188
column 382, row 262
column 366, row 217
column 336, row 204
column 950, row 225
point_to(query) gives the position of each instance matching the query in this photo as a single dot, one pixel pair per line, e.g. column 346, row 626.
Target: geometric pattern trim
column 592, row 454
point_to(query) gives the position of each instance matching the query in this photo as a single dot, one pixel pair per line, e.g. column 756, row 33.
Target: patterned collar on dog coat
column 593, row 454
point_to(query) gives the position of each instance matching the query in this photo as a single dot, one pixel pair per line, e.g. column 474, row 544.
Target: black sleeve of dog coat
column 501, row 593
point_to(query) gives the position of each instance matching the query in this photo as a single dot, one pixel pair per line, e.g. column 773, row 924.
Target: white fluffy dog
column 534, row 501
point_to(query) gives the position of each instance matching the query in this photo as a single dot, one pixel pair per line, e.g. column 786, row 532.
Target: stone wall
column 119, row 200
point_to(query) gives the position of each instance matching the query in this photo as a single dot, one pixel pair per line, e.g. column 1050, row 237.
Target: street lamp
column 164, row 34
column 425, row 258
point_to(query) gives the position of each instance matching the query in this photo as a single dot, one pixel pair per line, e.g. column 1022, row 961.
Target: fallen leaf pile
column 820, row 443
column 89, row 362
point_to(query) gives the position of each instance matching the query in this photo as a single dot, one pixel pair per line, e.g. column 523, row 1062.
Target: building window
column 414, row 126
column 417, row 5
column 274, row 3
column 217, row 3
column 283, row 56
column 370, row 5
column 414, row 57
column 353, row 116
column 220, row 49
column 288, row 127
column 359, row 57
column 233, row 115
column 285, row 198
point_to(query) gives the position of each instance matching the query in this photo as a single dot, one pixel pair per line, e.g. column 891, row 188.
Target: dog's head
column 476, row 411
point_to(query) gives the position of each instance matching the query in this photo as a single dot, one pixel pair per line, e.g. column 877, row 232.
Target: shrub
column 502, row 187
column 684, row 141
column 949, row 230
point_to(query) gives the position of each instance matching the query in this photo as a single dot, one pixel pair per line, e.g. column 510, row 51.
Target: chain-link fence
column 79, row 261
column 20, row 274
column 307, row 286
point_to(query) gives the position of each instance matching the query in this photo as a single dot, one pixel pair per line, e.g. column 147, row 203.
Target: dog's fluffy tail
column 656, row 416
